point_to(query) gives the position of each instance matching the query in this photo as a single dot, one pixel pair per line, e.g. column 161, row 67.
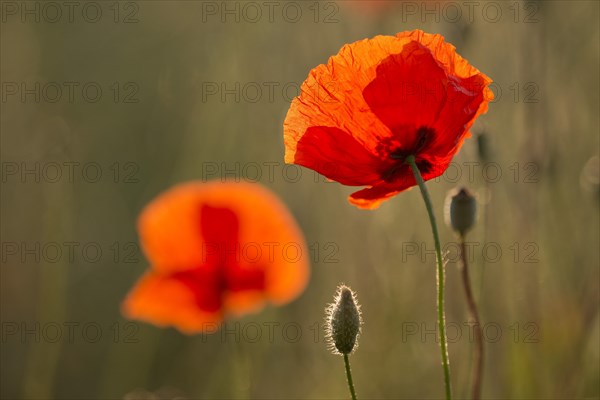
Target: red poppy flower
column 216, row 249
column 378, row 101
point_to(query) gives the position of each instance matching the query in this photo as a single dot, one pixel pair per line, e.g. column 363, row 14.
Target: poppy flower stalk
column 410, row 160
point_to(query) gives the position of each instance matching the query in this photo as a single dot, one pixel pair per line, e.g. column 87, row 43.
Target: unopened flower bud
column 483, row 146
column 460, row 210
column 343, row 321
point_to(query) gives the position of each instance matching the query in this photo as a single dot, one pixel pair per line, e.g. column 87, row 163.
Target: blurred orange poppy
column 378, row 101
column 216, row 249
column 368, row 6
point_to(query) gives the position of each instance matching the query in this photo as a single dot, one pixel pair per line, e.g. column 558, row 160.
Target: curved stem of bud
column 474, row 316
column 349, row 376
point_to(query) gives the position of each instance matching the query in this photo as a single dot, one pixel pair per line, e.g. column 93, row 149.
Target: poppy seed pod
column 460, row 210
column 343, row 321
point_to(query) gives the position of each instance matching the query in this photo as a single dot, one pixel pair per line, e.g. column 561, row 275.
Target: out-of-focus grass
column 173, row 132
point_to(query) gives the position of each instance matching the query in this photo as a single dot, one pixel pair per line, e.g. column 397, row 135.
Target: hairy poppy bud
column 343, row 321
column 460, row 210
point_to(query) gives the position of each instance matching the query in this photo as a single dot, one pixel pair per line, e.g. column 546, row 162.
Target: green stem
column 474, row 316
column 410, row 160
column 349, row 376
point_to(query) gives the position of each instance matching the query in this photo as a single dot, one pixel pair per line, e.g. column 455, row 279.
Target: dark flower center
column 424, row 135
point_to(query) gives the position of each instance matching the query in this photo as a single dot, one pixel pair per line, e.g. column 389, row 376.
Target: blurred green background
column 69, row 245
